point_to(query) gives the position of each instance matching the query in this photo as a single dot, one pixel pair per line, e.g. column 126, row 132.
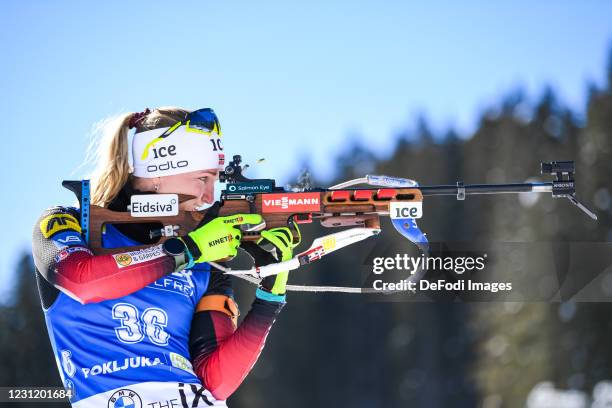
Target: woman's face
column 199, row 184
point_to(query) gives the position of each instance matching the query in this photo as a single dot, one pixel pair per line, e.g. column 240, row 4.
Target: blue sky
column 288, row 79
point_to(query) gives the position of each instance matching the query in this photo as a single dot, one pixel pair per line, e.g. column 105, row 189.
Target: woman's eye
column 204, row 179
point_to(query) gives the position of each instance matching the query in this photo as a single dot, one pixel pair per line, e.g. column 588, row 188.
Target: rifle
column 341, row 205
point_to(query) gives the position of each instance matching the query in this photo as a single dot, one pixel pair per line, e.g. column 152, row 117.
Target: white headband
column 179, row 152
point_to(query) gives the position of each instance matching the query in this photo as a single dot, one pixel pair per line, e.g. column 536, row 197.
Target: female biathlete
column 153, row 328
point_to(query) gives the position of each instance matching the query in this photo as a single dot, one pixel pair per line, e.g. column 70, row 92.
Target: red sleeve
column 222, row 357
column 63, row 259
column 91, row 278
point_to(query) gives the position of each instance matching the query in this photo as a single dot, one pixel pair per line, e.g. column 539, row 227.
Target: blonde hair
column 111, row 149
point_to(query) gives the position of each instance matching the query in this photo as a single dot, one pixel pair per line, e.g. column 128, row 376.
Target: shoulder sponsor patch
column 67, row 238
column 136, row 257
column 123, row 259
column 55, row 223
column 64, row 254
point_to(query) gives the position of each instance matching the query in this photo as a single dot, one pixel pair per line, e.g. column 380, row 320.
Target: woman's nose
column 209, row 195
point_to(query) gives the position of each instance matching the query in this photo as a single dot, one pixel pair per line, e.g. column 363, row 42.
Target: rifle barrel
column 470, row 189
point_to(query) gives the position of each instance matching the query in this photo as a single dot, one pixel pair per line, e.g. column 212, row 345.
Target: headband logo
column 164, row 151
column 167, row 166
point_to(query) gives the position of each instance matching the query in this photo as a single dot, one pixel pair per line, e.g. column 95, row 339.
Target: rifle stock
column 335, row 208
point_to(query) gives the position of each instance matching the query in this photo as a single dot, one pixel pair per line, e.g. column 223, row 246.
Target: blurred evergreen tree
column 26, row 357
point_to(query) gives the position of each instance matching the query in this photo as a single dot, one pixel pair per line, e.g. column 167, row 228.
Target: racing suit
column 128, row 331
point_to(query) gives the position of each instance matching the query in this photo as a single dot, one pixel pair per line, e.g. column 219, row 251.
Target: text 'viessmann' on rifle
column 342, row 205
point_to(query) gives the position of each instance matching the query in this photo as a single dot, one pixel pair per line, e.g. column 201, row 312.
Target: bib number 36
column 135, row 326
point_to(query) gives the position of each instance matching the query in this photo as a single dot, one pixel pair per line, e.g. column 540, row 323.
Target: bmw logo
column 124, row 398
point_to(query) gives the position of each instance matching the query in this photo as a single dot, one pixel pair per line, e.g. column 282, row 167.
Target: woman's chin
column 204, row 206
column 194, row 205
column 189, row 205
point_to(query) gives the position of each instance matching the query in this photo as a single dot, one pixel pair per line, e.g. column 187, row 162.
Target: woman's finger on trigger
column 273, row 238
column 268, row 236
column 299, row 234
column 283, row 239
column 282, row 234
column 286, row 235
column 291, row 238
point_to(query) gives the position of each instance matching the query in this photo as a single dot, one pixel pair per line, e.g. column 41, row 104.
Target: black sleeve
column 219, row 284
column 47, row 292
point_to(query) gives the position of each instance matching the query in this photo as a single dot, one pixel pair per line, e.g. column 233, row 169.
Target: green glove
column 282, row 240
column 218, row 238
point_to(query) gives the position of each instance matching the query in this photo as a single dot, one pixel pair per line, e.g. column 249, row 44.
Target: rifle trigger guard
column 460, row 191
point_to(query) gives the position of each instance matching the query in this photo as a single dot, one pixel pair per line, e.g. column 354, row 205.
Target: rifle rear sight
column 233, row 171
column 563, row 185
